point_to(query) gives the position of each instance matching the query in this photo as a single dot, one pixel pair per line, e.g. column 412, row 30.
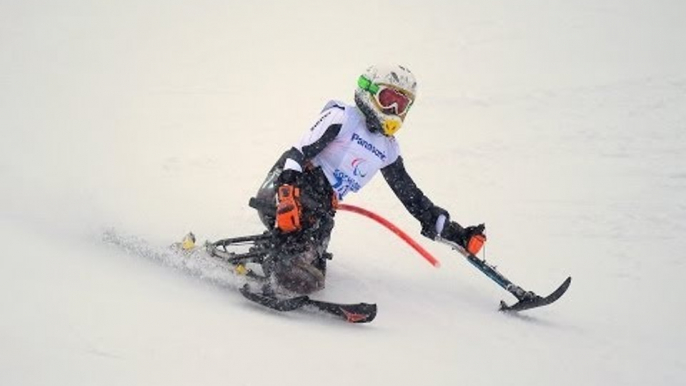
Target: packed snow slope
column 560, row 124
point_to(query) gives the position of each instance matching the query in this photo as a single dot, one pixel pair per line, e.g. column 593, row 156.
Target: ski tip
column 365, row 314
column 188, row 242
column 565, row 284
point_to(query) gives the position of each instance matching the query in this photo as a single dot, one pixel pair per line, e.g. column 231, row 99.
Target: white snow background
column 560, row 124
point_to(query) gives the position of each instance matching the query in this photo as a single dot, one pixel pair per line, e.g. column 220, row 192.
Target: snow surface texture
column 560, row 124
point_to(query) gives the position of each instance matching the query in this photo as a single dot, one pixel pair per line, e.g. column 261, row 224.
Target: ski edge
column 352, row 313
column 273, row 303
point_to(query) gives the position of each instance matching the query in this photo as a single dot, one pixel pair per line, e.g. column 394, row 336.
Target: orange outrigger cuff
column 475, row 244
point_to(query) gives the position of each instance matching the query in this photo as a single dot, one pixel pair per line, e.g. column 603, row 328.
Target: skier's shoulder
column 347, row 113
column 334, row 104
column 333, row 113
column 347, row 117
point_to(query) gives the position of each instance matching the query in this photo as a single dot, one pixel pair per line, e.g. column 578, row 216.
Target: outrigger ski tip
column 534, row 301
column 526, row 299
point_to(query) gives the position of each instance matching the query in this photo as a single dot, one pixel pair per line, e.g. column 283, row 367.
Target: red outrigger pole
column 399, row 232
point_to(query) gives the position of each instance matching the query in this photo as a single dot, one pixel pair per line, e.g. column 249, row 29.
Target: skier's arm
column 435, row 221
column 294, row 160
column 324, row 131
column 414, row 200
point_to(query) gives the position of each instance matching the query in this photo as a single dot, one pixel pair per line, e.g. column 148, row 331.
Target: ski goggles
column 390, row 99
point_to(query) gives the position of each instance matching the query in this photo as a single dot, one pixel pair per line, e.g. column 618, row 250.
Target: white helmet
column 385, row 94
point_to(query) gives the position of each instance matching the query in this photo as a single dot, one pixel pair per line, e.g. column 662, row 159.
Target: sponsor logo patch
column 344, row 183
column 368, row 146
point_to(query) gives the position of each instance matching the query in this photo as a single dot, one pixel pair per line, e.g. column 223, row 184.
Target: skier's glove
column 471, row 238
column 288, row 209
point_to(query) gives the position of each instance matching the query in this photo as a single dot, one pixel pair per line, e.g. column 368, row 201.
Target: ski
column 352, row 313
column 534, row 301
column 222, row 249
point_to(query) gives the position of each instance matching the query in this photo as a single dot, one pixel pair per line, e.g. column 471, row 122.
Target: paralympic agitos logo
column 345, row 182
column 359, row 168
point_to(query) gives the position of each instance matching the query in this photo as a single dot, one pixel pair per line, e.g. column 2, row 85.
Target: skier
column 340, row 154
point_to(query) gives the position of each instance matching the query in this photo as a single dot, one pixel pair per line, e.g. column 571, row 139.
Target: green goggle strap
column 364, row 83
